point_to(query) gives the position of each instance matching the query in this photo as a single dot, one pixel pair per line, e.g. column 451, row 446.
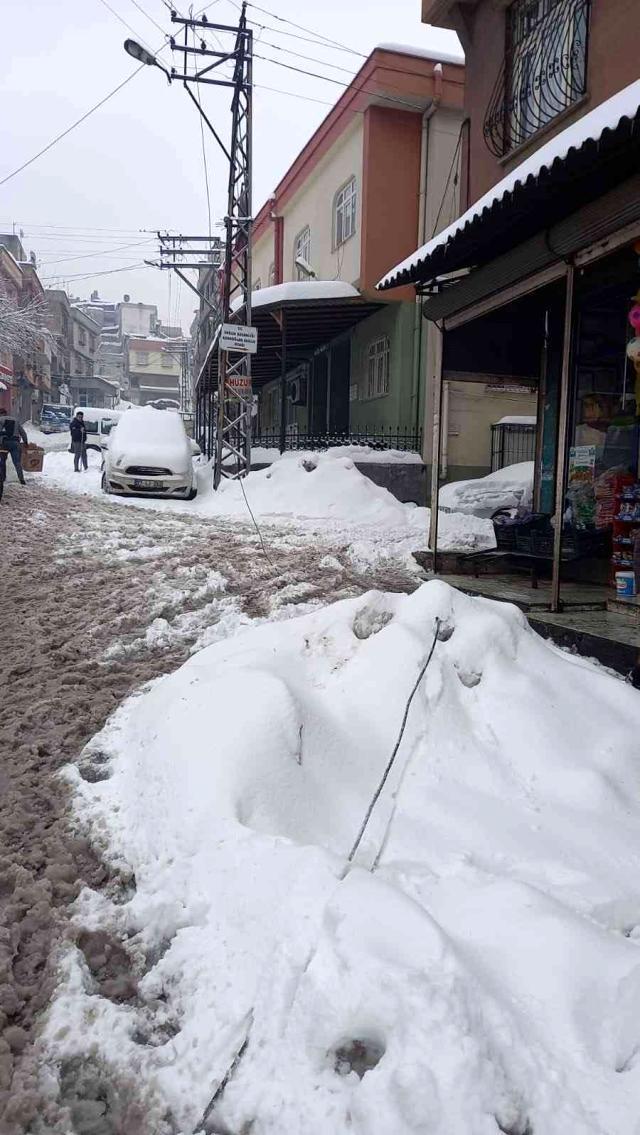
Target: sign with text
column 238, row 337
column 241, row 383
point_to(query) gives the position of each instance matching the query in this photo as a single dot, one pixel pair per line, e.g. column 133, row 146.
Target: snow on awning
column 3, row 385
column 297, row 291
column 430, row 260
column 430, row 53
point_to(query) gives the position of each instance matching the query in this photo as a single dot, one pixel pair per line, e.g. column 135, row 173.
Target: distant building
column 154, row 369
column 60, row 322
column 25, row 378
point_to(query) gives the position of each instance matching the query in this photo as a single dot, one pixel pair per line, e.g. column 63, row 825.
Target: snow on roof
column 607, row 115
column 297, row 290
column 431, row 53
column 517, row 420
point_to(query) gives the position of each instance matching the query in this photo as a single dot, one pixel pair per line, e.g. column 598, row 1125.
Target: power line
column 328, row 42
column 98, row 252
column 338, row 83
column 145, row 13
column 92, row 275
column 124, row 23
column 78, row 121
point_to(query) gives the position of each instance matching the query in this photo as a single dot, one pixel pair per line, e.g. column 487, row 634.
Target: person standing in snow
column 12, row 435
column 78, row 432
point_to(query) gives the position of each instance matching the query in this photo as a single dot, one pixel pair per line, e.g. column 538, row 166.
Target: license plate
column 148, row 485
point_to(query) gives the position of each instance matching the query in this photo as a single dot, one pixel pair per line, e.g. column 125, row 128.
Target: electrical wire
column 145, row 13
column 124, row 23
column 395, row 99
column 321, row 38
column 394, row 754
column 91, row 275
column 97, row 252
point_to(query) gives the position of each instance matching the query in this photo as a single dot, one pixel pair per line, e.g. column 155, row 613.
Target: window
column 345, row 212
column 544, row 72
column 92, row 342
column 82, row 337
column 378, row 368
column 167, row 359
column 142, row 358
column 272, row 274
column 302, row 251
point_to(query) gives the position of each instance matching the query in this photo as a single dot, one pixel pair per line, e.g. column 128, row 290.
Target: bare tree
column 22, row 329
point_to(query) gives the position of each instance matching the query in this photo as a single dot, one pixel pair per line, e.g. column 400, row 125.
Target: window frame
column 342, row 203
column 379, row 367
column 299, row 251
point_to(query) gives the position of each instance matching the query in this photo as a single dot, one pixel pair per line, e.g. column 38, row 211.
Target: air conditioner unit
column 297, row 392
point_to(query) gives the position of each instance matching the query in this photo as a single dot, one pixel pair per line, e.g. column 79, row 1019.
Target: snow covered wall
column 484, row 979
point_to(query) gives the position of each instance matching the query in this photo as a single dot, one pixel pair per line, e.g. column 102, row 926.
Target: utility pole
column 230, row 406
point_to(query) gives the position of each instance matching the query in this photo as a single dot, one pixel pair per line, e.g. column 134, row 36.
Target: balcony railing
column 544, row 70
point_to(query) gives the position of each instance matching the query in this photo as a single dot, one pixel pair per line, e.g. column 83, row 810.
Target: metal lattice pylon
column 233, row 434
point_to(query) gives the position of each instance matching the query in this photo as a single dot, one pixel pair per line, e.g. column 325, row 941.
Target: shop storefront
column 541, row 281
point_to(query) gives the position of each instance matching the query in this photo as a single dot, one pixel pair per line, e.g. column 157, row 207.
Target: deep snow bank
column 490, row 968
column 313, row 488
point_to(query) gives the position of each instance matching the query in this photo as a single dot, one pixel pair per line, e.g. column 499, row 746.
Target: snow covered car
column 511, row 487
column 149, row 453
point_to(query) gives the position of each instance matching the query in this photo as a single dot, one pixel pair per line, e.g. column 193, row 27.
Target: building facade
column 539, row 280
column 25, row 375
column 154, row 367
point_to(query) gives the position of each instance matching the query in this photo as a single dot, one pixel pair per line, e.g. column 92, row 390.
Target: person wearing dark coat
column 11, row 436
column 78, row 432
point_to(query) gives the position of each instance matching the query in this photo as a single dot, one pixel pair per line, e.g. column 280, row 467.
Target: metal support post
column 437, row 440
column 563, row 430
column 283, row 385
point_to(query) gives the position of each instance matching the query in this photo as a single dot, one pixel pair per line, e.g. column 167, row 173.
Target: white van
column 99, row 423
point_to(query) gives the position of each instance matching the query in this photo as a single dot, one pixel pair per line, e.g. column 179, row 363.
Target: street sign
column 241, row 383
column 238, row 337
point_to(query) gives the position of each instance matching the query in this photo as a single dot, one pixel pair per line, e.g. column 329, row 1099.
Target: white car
column 149, row 452
column 98, row 424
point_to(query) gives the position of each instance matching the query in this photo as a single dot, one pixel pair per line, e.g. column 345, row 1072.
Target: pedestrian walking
column 12, row 435
column 78, row 432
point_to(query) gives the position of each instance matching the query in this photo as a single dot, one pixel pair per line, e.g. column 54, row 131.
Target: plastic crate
column 505, row 536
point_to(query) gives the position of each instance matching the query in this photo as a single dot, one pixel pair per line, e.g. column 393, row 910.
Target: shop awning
column 578, row 165
column 316, row 312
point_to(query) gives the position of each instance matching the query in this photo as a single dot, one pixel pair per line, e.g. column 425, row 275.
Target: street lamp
column 140, row 53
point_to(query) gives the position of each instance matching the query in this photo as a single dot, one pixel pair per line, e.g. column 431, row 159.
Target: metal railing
column 378, row 438
column 543, row 73
column 512, row 443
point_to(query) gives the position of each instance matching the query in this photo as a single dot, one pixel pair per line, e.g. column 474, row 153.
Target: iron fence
column 405, row 439
column 512, row 443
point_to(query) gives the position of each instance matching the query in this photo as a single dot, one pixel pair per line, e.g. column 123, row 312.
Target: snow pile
column 484, row 978
column 510, row 487
column 48, row 442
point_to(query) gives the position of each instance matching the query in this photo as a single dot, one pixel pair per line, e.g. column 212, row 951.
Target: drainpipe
column 422, row 223
column 444, row 460
column 278, row 251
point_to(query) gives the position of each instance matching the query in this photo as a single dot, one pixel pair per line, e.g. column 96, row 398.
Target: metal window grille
column 345, row 212
column 511, row 443
column 544, row 70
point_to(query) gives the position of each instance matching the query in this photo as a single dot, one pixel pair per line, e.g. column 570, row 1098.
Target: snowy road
column 96, row 600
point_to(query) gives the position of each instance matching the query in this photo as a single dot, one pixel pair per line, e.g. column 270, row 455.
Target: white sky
column 137, row 162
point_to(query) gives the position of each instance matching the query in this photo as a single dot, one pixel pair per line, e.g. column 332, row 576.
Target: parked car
column 99, row 425
column 149, row 453
column 54, row 418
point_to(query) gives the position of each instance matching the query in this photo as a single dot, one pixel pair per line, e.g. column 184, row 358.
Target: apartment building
column 373, row 179
column 154, row 367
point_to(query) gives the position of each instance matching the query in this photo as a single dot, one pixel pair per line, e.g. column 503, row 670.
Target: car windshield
column 107, row 425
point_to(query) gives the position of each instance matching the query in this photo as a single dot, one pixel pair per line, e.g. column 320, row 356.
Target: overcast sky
column 136, row 163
